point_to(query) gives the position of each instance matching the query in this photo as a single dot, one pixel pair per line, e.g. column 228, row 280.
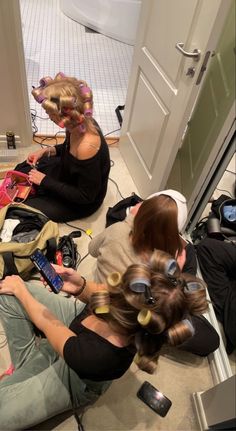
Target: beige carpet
column 179, row 374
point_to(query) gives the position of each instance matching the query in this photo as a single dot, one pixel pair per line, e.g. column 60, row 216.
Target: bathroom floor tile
column 53, row 42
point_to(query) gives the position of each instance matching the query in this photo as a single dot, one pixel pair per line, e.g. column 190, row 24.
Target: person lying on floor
column 70, row 179
column 92, row 340
column 153, row 224
column 217, row 260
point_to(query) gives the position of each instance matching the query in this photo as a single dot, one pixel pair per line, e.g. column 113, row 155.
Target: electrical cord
column 113, row 181
column 226, row 191
column 113, row 131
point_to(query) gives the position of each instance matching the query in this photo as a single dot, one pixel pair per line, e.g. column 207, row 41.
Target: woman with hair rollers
column 88, row 344
column 153, row 224
column 71, row 178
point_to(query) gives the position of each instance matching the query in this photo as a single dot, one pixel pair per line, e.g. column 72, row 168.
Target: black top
column 92, row 356
column 72, row 188
column 80, row 182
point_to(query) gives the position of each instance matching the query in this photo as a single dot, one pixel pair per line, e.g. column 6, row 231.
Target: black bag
column 218, row 209
column 118, row 212
column 34, row 230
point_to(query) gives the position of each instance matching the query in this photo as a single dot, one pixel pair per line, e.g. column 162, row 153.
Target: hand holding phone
column 47, row 271
column 154, row 399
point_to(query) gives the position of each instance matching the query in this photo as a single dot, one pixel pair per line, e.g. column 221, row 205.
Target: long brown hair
column 156, row 226
column 169, row 321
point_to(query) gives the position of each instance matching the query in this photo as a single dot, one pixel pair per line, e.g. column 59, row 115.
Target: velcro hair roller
column 61, row 124
column 170, row 268
column 192, row 286
column 88, row 111
column 190, row 326
column 68, row 102
column 142, row 285
column 60, row 75
column 152, row 321
column 139, row 284
column 37, row 93
column 86, row 92
column 114, row 279
column 136, row 358
column 144, row 317
column 104, row 309
column 45, row 81
column 100, row 302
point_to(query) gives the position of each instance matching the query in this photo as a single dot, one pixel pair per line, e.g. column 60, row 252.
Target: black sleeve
column 59, row 148
column 190, row 265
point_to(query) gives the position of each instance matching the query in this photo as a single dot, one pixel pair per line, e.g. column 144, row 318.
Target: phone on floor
column 45, row 268
column 154, row 399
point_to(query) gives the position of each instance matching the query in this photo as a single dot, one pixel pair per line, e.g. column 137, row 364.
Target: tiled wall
column 54, row 42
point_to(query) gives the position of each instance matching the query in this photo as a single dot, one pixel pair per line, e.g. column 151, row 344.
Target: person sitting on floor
column 153, row 224
column 88, row 344
column 217, row 260
column 70, row 179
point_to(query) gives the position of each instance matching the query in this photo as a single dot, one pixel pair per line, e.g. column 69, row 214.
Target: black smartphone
column 154, row 399
column 47, row 271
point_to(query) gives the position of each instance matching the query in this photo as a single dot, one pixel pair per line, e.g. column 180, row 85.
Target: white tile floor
column 54, row 42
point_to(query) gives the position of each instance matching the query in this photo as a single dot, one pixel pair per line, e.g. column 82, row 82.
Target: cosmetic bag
column 15, row 187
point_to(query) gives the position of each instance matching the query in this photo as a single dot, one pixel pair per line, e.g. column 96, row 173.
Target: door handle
column 195, row 54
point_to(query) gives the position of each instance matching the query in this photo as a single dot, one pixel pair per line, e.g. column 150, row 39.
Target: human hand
column 33, row 158
column 36, row 177
column 11, row 284
column 71, row 278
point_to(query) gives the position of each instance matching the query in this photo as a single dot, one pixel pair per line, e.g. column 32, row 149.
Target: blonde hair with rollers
column 67, row 100
column 149, row 325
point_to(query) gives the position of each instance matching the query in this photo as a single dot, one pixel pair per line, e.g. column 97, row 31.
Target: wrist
column 81, row 287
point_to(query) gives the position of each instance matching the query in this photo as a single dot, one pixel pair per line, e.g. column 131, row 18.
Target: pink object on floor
column 8, row 372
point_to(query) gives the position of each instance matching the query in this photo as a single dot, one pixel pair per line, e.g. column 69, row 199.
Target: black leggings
column 217, row 261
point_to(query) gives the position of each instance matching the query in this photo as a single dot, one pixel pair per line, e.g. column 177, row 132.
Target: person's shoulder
column 89, row 147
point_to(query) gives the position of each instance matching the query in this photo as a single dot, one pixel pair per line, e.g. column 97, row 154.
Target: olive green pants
column 39, row 387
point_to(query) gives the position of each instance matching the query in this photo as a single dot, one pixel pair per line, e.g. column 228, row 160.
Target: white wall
column 14, row 100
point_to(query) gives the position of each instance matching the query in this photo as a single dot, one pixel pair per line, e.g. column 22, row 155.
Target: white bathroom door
column 164, row 83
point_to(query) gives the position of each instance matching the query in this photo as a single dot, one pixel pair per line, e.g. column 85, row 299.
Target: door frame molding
column 201, row 193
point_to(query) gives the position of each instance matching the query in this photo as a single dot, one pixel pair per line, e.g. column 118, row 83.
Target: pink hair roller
column 44, row 81
column 61, row 124
column 86, row 92
column 88, row 111
column 60, row 75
